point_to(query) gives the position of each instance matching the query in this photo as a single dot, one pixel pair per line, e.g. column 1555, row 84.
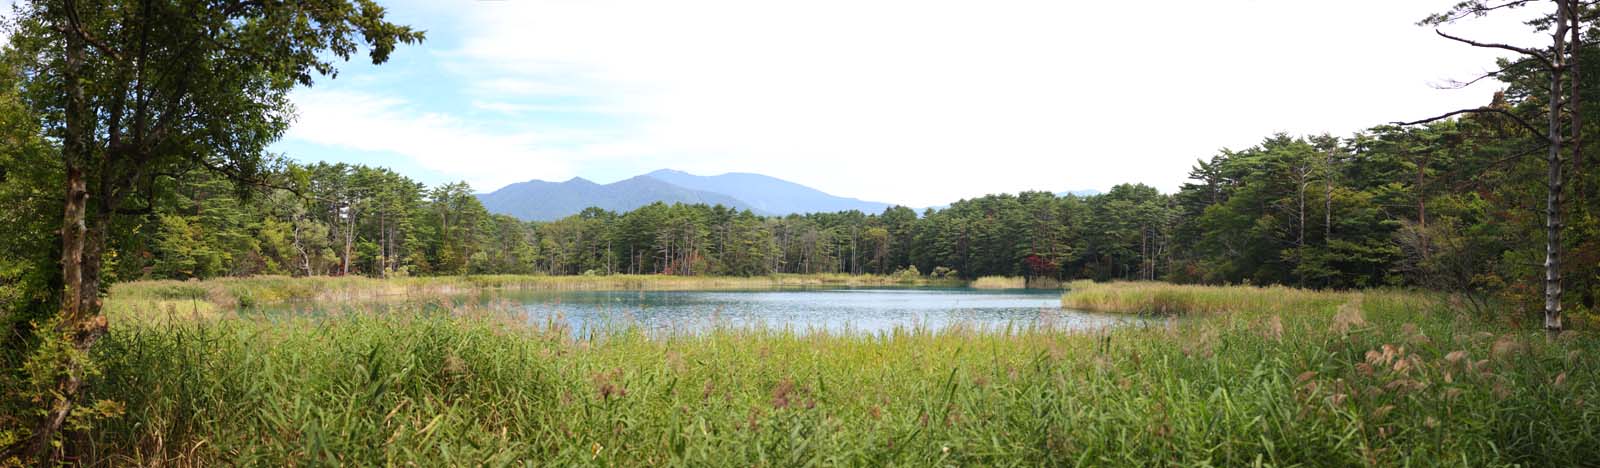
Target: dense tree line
column 1452, row 203
column 1446, row 205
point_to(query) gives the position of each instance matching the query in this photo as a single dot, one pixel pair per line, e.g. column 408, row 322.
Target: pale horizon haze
column 911, row 102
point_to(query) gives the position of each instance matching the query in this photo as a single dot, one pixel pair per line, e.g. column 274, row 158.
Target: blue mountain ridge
column 538, row 200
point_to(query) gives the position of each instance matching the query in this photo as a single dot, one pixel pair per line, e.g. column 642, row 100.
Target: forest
column 1448, row 205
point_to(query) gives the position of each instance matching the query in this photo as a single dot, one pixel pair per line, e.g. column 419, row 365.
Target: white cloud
column 919, row 101
column 438, row 142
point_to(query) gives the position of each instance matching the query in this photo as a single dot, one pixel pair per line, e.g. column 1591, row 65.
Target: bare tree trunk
column 349, row 239
column 305, row 257
column 1574, row 104
column 1327, row 197
column 1300, row 235
column 1552, row 210
column 383, row 234
column 1422, row 201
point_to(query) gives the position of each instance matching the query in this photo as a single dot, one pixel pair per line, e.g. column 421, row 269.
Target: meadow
column 1238, row 376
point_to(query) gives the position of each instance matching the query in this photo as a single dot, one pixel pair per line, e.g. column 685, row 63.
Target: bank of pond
column 1246, row 376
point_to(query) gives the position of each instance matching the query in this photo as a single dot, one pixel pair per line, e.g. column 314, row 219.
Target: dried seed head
column 1382, row 411
column 1273, row 328
column 1348, row 317
column 781, row 393
column 1505, row 347
column 1501, row 391
column 454, row 366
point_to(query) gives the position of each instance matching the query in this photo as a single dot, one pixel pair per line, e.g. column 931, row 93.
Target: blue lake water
column 853, row 310
column 863, row 310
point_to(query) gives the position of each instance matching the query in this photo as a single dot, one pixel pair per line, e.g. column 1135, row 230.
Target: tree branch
column 1448, row 18
column 1455, row 84
column 1480, row 110
column 1539, row 55
column 241, row 178
column 1478, row 182
column 77, row 30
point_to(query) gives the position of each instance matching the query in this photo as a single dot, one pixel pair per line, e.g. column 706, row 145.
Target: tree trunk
column 1300, row 235
column 305, row 257
column 1422, row 202
column 1327, row 199
column 1575, row 106
column 349, row 239
column 80, row 321
column 1552, row 209
column 73, row 309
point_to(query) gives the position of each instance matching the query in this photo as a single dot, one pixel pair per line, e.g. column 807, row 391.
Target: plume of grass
column 1000, row 282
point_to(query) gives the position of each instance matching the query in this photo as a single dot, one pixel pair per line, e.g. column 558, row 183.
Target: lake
column 864, row 310
column 852, row 310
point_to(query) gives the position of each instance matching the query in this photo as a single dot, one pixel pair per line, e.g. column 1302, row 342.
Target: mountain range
column 538, row 200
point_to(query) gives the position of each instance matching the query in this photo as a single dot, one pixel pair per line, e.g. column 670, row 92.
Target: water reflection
column 870, row 311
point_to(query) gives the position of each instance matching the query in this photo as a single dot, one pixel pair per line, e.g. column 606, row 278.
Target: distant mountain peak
column 768, row 194
column 544, row 201
column 538, row 200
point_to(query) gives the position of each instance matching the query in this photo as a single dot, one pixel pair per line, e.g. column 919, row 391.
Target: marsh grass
column 1254, row 376
column 245, row 293
column 1000, row 282
column 1172, row 299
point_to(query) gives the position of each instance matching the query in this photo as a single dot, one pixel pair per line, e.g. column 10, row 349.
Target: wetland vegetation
column 1252, row 375
column 175, row 293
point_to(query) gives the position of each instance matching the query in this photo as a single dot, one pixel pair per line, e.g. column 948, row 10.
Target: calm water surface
column 855, row 310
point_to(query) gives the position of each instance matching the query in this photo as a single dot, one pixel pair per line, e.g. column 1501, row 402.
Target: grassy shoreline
column 1255, row 375
column 1154, row 298
column 211, row 296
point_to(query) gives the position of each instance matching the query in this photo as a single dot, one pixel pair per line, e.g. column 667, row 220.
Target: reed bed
column 1173, row 299
column 1000, row 282
column 1343, row 379
column 231, row 293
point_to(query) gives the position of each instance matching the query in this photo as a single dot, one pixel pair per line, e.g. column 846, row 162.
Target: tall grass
column 230, row 293
column 1172, row 299
column 1000, row 282
column 1383, row 378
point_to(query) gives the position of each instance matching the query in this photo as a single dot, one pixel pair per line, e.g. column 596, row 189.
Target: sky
column 916, row 102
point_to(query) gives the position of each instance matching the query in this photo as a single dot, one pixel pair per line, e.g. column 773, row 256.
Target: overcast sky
column 919, row 102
